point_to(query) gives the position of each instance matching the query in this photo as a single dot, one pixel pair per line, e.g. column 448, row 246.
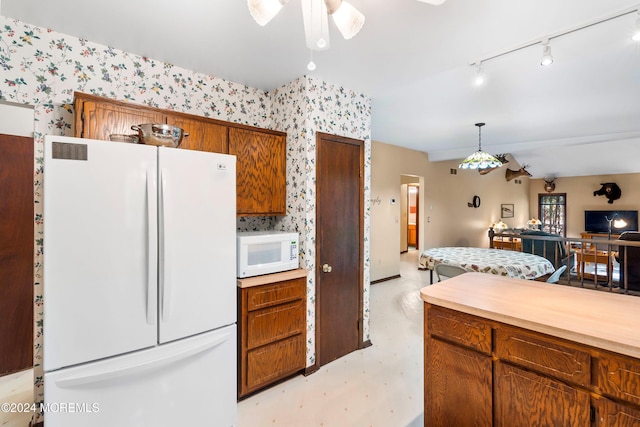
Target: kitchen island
column 509, row 352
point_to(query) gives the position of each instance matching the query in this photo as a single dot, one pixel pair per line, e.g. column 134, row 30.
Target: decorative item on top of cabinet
column 97, row 118
column 261, row 153
column 271, row 328
column 260, row 171
column 203, row 135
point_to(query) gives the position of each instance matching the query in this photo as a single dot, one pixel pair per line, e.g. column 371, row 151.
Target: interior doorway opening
column 411, row 213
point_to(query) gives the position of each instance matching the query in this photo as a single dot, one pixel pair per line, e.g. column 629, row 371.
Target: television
column 596, row 221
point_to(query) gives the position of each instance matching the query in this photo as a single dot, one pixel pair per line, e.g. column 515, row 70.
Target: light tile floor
column 18, row 389
column 381, row 385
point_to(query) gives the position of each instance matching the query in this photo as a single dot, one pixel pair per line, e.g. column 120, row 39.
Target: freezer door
column 190, row 382
column 100, row 249
column 197, row 252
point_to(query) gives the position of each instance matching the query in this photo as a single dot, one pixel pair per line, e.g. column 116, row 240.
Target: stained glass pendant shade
column 480, row 159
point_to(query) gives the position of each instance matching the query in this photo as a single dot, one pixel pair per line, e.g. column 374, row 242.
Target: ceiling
column 579, row 116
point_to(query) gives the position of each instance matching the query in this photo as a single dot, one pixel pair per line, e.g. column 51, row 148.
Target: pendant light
column 480, row 159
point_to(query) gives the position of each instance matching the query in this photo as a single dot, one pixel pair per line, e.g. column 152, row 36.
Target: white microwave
column 265, row 252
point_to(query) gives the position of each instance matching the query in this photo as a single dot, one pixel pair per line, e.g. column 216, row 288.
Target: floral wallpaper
column 44, row 68
column 303, row 108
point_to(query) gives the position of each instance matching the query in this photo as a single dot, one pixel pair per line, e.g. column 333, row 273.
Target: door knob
column 326, row 268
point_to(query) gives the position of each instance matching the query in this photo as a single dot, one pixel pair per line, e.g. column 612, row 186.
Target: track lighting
column 547, row 59
column 479, row 79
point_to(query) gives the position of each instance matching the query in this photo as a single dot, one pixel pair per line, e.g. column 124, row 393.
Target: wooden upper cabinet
column 99, row 119
column 203, row 135
column 261, row 154
column 260, row 171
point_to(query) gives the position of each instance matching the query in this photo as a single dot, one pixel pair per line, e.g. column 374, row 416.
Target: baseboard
column 311, row 369
column 397, row 276
column 366, row 344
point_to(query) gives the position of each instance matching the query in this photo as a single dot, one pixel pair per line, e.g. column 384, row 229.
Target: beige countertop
column 271, row 278
column 600, row 319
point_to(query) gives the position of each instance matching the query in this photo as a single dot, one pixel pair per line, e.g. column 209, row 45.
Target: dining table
column 516, row 264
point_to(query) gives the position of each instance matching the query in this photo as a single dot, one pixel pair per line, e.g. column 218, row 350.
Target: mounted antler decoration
column 511, row 174
column 610, row 190
column 502, row 157
column 549, row 185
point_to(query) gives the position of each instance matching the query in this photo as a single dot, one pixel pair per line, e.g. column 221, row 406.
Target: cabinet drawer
column 275, row 323
column 272, row 362
column 544, row 355
column 268, row 295
column 619, row 377
column 460, row 328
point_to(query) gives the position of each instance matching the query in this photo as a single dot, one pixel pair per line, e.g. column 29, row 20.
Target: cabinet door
column 457, row 389
column 100, row 119
column 523, row 398
column 612, row 414
column 203, row 136
column 260, row 171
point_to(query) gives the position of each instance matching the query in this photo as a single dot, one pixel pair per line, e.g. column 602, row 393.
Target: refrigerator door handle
column 165, row 285
column 140, row 367
column 151, row 252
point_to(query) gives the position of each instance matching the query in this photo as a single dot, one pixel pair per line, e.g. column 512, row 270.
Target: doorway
column 16, row 253
column 410, row 213
column 339, row 246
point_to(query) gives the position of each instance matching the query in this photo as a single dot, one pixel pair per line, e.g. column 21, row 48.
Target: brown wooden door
column 16, row 253
column 100, row 119
column 339, row 246
column 203, row 135
column 260, row 171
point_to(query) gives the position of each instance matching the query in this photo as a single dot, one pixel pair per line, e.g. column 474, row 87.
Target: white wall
column 579, row 191
column 447, row 220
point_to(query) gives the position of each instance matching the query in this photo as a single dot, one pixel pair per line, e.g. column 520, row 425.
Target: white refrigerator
column 139, row 285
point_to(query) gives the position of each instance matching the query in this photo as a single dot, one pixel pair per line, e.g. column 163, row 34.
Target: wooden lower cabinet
column 479, row 372
column 457, row 378
column 524, row 398
column 271, row 332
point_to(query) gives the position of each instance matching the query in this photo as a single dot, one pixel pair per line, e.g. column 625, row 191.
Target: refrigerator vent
column 65, row 150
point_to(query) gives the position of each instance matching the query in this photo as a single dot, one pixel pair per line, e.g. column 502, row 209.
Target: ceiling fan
column 347, row 18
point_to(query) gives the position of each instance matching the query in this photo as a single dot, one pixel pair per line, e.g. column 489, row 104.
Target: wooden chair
column 449, row 271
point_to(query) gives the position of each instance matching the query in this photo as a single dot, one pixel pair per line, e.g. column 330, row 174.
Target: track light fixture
column 547, row 59
column 479, row 79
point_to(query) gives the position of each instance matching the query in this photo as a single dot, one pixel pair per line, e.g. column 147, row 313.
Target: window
column 553, row 213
